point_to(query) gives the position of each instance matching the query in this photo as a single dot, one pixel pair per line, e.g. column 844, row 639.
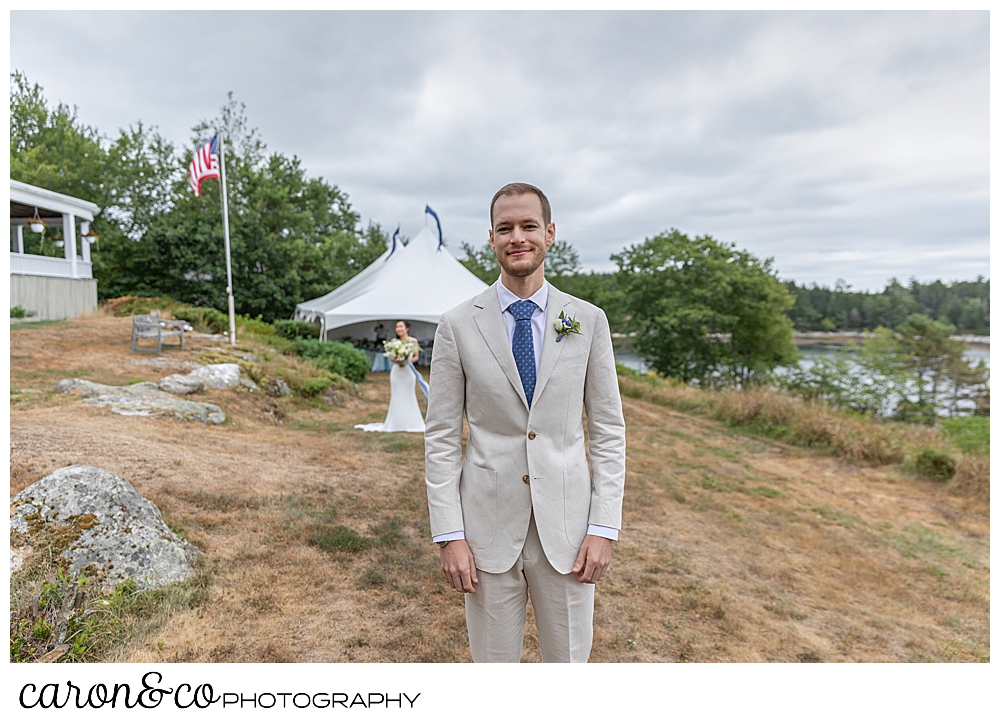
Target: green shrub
column 203, row 319
column 312, row 386
column 337, row 357
column 938, row 464
column 971, row 434
column 254, row 326
column 18, row 312
column 292, row 329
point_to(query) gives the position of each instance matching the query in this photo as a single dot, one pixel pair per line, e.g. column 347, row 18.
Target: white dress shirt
column 506, row 297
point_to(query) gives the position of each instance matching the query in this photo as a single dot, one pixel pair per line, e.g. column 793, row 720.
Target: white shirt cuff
column 448, row 536
column 599, row 531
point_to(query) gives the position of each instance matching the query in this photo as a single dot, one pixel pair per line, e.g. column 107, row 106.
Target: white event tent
column 417, row 282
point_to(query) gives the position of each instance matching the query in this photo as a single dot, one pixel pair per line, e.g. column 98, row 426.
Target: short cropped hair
column 519, row 189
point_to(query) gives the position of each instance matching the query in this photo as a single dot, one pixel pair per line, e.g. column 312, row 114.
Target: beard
column 524, row 266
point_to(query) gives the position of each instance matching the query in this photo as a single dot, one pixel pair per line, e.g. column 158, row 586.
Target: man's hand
column 593, row 560
column 458, row 566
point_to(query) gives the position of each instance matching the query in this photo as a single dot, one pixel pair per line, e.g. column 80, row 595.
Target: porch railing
column 32, row 265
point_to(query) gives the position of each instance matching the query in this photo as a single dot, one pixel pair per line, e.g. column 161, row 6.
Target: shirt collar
column 506, row 297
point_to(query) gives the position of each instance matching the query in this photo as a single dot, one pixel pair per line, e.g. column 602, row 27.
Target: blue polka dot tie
column 524, row 345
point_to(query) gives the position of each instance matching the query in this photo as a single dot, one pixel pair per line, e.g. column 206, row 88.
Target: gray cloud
column 844, row 145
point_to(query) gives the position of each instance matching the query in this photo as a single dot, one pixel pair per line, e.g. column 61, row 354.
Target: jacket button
column 531, row 435
column 526, row 479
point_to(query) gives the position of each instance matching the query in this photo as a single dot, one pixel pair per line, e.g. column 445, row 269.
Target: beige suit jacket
column 486, row 494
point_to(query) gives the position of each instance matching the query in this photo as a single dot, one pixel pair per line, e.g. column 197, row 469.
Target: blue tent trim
column 440, row 235
column 395, row 234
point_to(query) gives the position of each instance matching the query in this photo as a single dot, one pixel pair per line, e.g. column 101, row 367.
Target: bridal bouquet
column 399, row 350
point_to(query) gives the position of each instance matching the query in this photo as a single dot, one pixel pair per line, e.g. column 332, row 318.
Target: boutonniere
column 566, row 325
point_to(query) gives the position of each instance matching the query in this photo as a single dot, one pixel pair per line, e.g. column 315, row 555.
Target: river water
column 810, row 354
column 813, row 352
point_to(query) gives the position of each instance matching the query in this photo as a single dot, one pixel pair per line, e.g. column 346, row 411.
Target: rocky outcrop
column 278, row 388
column 101, row 526
column 181, row 384
column 143, row 399
column 217, row 376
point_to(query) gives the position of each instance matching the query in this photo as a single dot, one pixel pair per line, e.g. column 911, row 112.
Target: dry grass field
column 734, row 548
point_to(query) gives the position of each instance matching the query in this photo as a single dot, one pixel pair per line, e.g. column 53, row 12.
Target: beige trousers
column 564, row 610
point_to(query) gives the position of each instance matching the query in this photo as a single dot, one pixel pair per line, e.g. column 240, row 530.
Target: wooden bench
column 149, row 326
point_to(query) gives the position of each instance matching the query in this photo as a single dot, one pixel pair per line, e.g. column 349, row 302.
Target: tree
column 482, row 262
column 967, row 383
column 704, row 311
column 868, row 379
column 929, row 351
column 130, row 178
column 965, row 304
column 562, row 259
column 293, row 237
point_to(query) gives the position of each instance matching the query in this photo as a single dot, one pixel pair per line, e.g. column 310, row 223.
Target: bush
column 203, row 319
column 251, row 325
column 17, row 312
column 312, row 387
column 796, row 421
column 292, row 329
column 128, row 305
column 938, row 464
column 971, row 434
column 337, row 357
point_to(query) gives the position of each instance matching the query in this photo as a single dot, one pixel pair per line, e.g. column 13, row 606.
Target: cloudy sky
column 844, row 145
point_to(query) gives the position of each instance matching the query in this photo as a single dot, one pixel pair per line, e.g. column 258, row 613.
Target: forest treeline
column 963, row 304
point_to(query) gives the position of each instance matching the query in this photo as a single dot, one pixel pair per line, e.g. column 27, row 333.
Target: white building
column 46, row 286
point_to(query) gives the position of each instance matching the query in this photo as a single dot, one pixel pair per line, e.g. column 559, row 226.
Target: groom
column 523, row 514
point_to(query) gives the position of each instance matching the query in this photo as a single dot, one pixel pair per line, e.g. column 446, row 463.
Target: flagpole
column 225, row 229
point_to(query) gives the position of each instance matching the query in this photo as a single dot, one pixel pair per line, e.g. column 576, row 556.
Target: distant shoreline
column 806, row 338
column 840, row 338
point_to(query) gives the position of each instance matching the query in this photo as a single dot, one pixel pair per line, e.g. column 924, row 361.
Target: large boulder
column 143, row 399
column 181, row 384
column 219, row 376
column 101, row 526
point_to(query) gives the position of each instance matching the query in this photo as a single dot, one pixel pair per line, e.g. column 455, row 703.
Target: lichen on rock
column 96, row 520
column 143, row 399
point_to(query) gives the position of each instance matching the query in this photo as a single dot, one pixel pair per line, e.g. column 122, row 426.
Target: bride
column 404, row 413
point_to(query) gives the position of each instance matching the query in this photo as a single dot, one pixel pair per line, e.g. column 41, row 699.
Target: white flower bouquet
column 400, row 350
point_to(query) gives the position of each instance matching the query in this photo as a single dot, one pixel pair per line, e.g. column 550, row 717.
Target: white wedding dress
column 404, row 412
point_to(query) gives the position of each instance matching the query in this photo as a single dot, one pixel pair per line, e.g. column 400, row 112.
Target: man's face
column 519, row 236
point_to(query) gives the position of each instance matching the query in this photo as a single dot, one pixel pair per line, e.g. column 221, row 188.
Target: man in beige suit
column 523, row 514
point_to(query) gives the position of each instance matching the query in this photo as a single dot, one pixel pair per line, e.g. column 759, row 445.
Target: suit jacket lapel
column 488, row 318
column 558, row 301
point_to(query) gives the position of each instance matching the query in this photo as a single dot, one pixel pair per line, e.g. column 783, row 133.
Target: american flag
column 205, row 164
